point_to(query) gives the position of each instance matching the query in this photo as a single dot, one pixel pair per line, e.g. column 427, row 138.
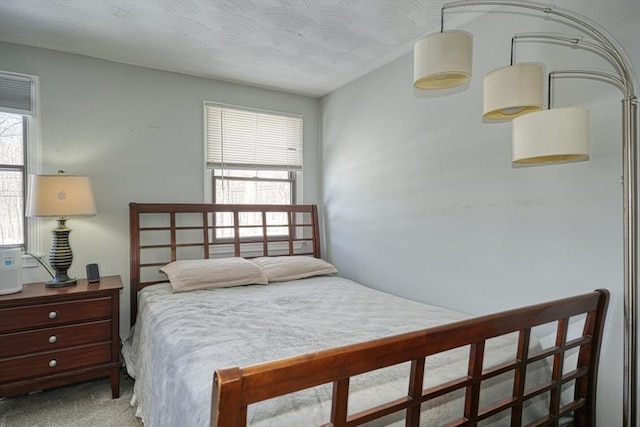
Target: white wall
column 421, row 199
column 138, row 133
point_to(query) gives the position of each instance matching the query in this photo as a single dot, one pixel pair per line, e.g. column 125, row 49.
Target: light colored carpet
column 84, row 405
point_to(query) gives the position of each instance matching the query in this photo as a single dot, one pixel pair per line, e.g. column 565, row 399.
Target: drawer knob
column 53, row 339
column 53, row 363
column 53, row 314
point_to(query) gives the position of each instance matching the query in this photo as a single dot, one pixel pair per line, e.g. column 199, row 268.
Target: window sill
column 29, row 261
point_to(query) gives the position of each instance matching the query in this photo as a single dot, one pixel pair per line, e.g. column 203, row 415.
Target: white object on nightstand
column 10, row 271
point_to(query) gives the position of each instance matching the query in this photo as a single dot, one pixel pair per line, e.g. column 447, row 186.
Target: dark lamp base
column 60, row 256
column 61, row 280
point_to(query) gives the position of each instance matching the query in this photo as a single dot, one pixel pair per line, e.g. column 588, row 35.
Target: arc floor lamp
column 555, row 135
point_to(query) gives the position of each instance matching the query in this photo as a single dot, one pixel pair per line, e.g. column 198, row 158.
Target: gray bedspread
column 180, row 339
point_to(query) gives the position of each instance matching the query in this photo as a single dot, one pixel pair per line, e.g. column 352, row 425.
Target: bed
column 324, row 350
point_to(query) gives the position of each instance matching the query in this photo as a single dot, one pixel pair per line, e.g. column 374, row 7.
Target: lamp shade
column 558, row 135
column 442, row 60
column 60, row 196
column 512, row 91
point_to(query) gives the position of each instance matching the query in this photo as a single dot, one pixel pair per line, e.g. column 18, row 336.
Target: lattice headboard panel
column 160, row 233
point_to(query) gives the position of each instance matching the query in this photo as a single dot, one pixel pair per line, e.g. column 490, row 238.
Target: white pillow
column 283, row 268
column 189, row 275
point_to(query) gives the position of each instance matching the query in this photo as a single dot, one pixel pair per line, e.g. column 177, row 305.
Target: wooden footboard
column 236, row 388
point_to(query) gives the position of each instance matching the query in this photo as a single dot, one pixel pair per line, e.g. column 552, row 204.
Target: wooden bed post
column 205, row 234
column 227, row 393
column 588, row 357
column 134, row 254
column 316, row 232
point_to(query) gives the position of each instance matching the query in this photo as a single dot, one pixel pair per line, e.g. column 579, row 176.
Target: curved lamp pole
column 606, row 45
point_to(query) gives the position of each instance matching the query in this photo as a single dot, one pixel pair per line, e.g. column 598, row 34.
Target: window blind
column 16, row 94
column 239, row 138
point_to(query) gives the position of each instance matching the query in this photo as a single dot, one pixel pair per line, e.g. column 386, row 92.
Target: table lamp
column 60, row 196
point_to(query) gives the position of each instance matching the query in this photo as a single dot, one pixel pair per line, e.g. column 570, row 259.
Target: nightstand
column 51, row 337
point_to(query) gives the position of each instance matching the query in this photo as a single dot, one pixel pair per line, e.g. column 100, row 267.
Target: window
column 253, row 157
column 16, row 118
column 12, row 173
column 246, row 186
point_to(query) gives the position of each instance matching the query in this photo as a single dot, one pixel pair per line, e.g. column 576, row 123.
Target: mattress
column 180, row 339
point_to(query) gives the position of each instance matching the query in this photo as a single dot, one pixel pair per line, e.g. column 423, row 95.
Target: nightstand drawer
column 54, row 313
column 48, row 339
column 54, row 361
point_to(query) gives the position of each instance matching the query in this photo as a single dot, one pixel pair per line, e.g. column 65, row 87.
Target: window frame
column 23, row 169
column 291, row 180
column 33, row 166
column 295, row 174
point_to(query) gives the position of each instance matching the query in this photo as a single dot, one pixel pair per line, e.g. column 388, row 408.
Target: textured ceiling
column 309, row 47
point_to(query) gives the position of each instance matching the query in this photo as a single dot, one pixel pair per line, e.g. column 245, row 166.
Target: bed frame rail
column 236, row 388
column 164, row 232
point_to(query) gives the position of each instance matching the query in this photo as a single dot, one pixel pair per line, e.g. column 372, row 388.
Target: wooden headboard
column 160, row 233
